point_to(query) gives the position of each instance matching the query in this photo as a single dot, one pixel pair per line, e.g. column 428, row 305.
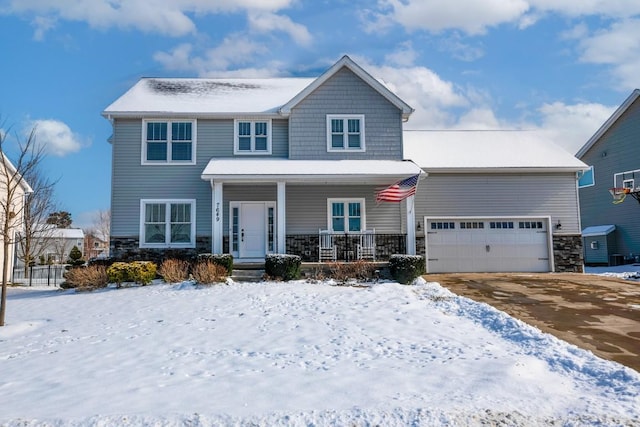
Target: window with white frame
column 167, row 223
column 346, row 215
column 252, row 137
column 345, row 132
column 166, row 141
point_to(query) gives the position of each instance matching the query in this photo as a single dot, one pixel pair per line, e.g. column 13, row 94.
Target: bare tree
column 12, row 190
column 36, row 235
column 96, row 237
column 103, row 227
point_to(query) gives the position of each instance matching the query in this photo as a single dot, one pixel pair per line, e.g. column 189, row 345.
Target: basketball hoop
column 618, row 194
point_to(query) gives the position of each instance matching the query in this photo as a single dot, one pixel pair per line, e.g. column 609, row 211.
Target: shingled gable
column 347, row 62
column 610, row 121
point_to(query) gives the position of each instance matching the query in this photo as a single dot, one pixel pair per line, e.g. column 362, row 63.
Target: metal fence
column 40, row 275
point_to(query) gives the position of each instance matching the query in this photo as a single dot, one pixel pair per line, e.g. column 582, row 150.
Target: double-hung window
column 252, row 137
column 345, row 132
column 346, row 215
column 167, row 223
column 168, row 142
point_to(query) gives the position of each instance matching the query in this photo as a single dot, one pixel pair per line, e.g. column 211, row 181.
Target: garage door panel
column 495, row 245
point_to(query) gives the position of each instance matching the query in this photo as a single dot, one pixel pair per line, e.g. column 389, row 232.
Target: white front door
column 252, row 229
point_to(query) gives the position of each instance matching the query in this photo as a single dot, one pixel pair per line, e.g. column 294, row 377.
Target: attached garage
column 488, row 244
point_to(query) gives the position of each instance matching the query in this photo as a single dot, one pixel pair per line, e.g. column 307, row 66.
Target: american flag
column 398, row 191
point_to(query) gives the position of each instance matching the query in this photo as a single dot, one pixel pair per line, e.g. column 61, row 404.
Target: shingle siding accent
column 345, row 93
column 618, row 150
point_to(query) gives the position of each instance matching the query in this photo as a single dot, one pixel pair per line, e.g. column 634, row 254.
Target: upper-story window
column 252, row 137
column 345, row 132
column 166, row 141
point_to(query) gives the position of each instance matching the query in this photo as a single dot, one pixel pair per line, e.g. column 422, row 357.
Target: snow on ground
column 627, row 271
column 297, row 354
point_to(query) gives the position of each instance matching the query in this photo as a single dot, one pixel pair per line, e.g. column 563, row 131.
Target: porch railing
column 307, row 245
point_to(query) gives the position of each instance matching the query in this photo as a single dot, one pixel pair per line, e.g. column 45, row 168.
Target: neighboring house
column 95, row 246
column 15, row 207
column 258, row 166
column 496, row 201
column 53, row 244
column 612, row 221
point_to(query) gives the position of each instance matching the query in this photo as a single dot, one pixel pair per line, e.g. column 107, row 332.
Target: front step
column 248, row 272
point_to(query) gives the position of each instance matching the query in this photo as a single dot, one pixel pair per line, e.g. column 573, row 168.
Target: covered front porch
column 263, row 206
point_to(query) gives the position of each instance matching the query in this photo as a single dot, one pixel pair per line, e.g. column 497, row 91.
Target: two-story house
column 291, row 165
column 610, row 189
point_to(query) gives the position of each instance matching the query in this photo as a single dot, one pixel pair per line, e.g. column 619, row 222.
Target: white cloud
column 404, row 56
column 573, row 8
column 619, row 47
column 266, row 22
column 470, row 16
column 235, row 51
column 571, row 126
column 56, row 137
column 158, row 16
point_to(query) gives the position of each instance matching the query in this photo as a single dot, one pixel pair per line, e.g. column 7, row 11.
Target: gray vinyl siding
column 345, row 93
column 132, row 182
column 618, row 150
column 508, row 195
column 599, row 254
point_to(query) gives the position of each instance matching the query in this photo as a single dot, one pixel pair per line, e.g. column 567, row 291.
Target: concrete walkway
column 593, row 312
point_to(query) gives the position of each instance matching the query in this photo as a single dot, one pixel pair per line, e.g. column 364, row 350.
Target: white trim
column 281, row 222
column 168, row 203
column 345, row 137
column 253, row 151
column 347, row 62
column 217, row 217
column 346, row 200
column 411, row 225
column 143, row 150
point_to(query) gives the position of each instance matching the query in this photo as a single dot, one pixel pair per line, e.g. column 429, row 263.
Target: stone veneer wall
column 127, row 249
column 567, row 254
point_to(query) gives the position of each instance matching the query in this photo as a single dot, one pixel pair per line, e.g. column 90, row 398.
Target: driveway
column 597, row 313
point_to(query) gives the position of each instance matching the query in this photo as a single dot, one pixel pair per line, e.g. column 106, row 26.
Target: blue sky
column 562, row 66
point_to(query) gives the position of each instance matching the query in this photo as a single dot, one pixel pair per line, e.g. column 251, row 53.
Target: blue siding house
column 294, row 165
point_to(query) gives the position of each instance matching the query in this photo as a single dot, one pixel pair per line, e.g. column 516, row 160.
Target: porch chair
column 326, row 248
column 367, row 245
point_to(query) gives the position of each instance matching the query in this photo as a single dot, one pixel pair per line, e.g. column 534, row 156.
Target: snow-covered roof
column 157, row 96
column 309, row 171
column 60, row 233
column 598, row 230
column 487, row 150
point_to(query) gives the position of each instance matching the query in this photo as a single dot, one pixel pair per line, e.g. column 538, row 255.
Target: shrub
column 224, row 260
column 282, row 266
column 86, row 278
column 75, row 257
column 405, row 268
column 142, row 272
column 174, row 270
column 207, row 272
column 356, row 270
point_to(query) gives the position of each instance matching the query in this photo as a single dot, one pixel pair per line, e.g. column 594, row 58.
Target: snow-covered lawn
column 297, row 354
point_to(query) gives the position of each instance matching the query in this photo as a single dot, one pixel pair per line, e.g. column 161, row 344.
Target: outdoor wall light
column 558, row 225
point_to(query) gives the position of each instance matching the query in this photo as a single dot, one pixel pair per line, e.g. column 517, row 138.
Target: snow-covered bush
column 174, row 270
column 282, row 266
column 405, row 268
column 142, row 272
column 85, row 278
column 358, row 270
column 207, row 272
column 225, row 260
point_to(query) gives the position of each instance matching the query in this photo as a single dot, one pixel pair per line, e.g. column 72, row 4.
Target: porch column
column 281, row 229
column 217, row 216
column 411, row 226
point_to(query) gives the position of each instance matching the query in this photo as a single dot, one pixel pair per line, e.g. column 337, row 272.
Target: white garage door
column 487, row 245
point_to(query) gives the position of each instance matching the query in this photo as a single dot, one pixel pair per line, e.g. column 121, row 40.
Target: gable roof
column 12, row 169
column 610, row 121
column 472, row 151
column 205, row 97
column 346, row 62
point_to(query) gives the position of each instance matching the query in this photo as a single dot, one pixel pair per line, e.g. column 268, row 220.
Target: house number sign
column 218, row 212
